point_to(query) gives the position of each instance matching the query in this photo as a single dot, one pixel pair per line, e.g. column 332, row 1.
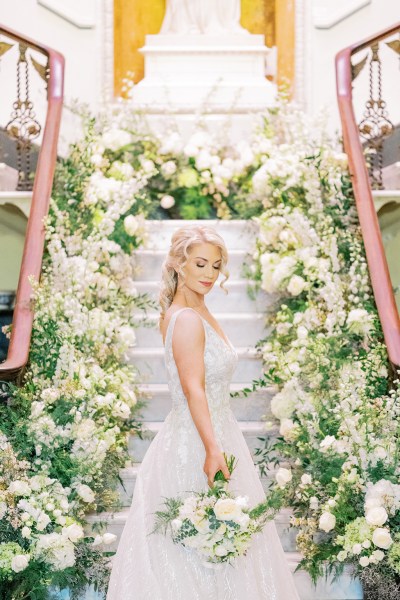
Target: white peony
column 376, row 515
column 382, row 538
column 296, row 285
column 283, row 476
column 19, row 562
column 327, row 521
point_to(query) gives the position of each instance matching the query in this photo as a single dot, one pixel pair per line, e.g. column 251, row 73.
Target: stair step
column 151, row 365
column 243, row 329
column 251, row 408
column 239, row 234
column 237, row 300
column 250, row 429
column 148, row 264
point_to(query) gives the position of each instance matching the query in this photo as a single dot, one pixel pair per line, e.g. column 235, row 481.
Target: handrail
column 31, row 264
column 375, row 253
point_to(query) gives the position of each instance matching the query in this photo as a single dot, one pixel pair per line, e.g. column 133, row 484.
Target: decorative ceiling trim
column 78, row 13
column 327, row 14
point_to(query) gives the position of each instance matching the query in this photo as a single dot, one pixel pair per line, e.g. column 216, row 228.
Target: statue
column 202, row 17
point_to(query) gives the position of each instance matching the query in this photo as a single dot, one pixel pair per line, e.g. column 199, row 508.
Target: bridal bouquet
column 215, row 523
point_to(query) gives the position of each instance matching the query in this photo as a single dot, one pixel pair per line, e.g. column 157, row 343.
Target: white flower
column 226, row 509
column 168, row 168
column 327, row 442
column 26, row 532
column 86, row 493
column 109, row 538
column 306, row 479
column 19, row 488
column 283, row 476
column 3, row 509
column 19, row 562
column 342, row 555
column 73, row 532
column 314, row 503
column 220, row 550
column 378, row 555
column 357, row 549
column 121, row 409
column 288, row 429
column 296, row 285
column 380, row 452
column 376, row 515
column 359, row 321
column 131, row 224
column 176, row 524
column 327, row 521
column 364, row 561
column 114, row 139
column 382, row 538
column 167, row 201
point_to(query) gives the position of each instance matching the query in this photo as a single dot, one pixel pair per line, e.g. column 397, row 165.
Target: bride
column 188, row 450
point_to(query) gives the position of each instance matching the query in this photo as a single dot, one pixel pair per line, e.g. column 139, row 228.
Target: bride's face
column 202, row 268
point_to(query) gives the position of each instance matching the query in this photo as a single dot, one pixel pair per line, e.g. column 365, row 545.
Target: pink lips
column 207, row 284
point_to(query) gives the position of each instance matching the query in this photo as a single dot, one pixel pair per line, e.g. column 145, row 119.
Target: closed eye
column 201, row 267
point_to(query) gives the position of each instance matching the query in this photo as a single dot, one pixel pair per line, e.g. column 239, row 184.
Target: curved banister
column 31, row 263
column 375, row 253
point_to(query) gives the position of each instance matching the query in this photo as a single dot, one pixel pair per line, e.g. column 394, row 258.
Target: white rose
column 382, row 538
column 19, row 562
column 296, row 285
column 226, row 509
column 109, row 538
column 364, row 561
column 26, row 532
column 243, row 520
column 167, row 202
column 168, row 168
column 327, row 521
column 85, row 493
column 131, row 224
column 376, row 516
column 73, row 532
column 287, row 428
column 19, row 488
column 378, row 555
column 366, row 544
column 283, row 476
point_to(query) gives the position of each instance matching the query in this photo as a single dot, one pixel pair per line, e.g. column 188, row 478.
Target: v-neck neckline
column 226, row 342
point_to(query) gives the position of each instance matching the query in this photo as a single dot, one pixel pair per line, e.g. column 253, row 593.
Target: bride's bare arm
column 188, row 342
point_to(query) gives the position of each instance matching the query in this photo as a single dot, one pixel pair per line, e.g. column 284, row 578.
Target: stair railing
column 53, row 75
column 365, row 177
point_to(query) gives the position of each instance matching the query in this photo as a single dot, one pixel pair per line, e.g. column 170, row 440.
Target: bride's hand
column 215, row 462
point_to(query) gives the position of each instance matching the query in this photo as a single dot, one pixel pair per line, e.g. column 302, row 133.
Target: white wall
column 321, row 46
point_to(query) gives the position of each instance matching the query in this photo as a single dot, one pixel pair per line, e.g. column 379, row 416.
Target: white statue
column 202, row 17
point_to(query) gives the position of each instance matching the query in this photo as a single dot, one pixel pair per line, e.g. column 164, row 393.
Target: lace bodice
column 220, row 360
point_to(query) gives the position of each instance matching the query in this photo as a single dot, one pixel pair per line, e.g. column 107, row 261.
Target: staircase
column 242, row 319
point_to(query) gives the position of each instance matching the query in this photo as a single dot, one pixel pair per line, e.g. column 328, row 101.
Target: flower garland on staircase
column 63, row 432
column 337, row 409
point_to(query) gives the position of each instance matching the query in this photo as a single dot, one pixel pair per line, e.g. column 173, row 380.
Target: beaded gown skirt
column 150, row 566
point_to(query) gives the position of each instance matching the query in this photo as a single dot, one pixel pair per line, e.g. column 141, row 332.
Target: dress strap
column 171, row 324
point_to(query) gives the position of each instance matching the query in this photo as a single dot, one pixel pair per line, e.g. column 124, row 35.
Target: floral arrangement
column 215, row 524
column 63, row 432
column 335, row 404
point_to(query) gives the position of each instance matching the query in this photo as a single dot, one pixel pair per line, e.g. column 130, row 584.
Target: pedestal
column 205, row 75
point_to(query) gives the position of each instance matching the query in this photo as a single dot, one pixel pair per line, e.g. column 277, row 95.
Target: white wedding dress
column 150, row 566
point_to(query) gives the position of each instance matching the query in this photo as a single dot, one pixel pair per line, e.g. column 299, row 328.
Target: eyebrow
column 219, row 260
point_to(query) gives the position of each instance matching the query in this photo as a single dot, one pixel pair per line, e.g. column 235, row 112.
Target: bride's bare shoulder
column 188, row 326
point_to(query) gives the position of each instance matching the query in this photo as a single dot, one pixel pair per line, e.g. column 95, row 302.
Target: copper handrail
column 375, row 253
column 31, row 264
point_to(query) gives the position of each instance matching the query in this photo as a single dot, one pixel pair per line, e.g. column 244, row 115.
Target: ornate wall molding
column 327, row 14
column 78, row 13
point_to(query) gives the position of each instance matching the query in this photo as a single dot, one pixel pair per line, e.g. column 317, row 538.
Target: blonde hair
column 181, row 242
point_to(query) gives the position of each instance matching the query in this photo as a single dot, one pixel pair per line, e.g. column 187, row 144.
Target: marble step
column 243, row 329
column 151, row 365
column 251, row 430
column 251, row 408
column 148, row 264
column 237, row 300
column 239, row 234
